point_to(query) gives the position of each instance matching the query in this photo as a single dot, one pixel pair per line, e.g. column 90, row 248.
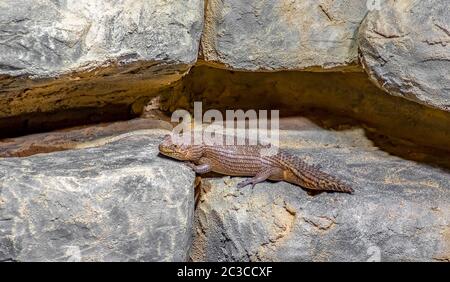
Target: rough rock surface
column 116, row 202
column 49, row 38
column 405, row 48
column 280, row 35
column 97, row 50
column 400, row 210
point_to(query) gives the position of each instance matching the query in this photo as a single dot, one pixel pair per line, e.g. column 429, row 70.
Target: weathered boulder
column 115, row 202
column 102, row 52
column 405, row 49
column 281, row 35
column 400, row 210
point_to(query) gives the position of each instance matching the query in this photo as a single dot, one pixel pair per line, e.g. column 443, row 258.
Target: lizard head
column 181, row 152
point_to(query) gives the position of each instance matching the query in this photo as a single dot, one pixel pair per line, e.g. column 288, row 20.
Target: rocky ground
column 400, row 210
column 111, row 197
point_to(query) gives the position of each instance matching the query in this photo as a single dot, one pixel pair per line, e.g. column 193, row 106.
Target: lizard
column 247, row 160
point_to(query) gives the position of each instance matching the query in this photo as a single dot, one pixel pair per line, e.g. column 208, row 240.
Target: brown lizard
column 247, row 160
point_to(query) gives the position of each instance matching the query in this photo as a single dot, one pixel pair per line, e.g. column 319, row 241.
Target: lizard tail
column 327, row 182
column 311, row 177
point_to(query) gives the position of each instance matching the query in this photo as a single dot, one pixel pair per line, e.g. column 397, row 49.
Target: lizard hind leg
column 266, row 173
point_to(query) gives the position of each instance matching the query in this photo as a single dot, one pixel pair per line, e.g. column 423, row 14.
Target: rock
column 48, row 38
column 282, row 35
column 405, row 49
column 400, row 210
column 116, row 202
column 101, row 52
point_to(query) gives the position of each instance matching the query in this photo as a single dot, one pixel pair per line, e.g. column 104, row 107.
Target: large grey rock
column 116, row 202
column 101, row 51
column 400, row 210
column 405, row 48
column 49, row 38
column 280, row 35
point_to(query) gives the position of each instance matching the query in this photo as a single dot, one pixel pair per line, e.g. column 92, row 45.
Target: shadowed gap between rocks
column 111, row 93
column 43, row 122
column 333, row 101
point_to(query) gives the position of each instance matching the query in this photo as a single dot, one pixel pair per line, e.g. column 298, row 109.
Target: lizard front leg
column 200, row 169
column 263, row 175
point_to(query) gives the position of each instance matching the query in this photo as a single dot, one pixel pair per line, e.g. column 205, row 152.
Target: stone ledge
column 399, row 211
column 115, row 202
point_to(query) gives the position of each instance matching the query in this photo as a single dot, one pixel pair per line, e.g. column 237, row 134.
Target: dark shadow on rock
column 43, row 122
column 333, row 101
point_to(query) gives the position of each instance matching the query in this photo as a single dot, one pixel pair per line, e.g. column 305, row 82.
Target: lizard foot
column 259, row 177
column 244, row 183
